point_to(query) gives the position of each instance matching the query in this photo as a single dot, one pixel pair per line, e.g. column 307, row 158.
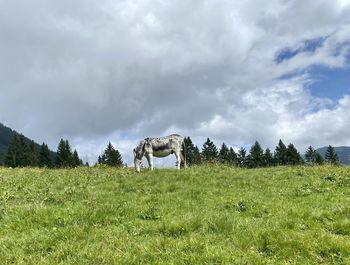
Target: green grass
column 203, row 215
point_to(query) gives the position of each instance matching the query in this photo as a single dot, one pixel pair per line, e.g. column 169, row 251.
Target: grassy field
column 203, row 215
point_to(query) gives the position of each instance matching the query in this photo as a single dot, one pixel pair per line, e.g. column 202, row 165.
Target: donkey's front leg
column 150, row 160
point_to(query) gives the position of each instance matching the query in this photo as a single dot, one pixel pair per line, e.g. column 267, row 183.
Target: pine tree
column 69, row 154
column 224, row 154
column 111, row 156
column 310, row 155
column 23, row 153
column 18, row 153
column 32, row 154
column 313, row 157
column 76, row 161
column 268, row 158
column 281, row 153
column 242, row 157
column 331, row 156
column 103, row 159
column 193, row 155
column 197, row 156
column 256, row 155
column 293, row 156
column 232, row 157
column 60, row 157
column 209, row 151
column 64, row 154
column 99, row 160
column 44, row 156
column 190, row 159
column 319, row 159
column 13, row 152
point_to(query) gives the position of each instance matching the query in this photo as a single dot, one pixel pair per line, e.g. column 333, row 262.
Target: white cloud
column 94, row 72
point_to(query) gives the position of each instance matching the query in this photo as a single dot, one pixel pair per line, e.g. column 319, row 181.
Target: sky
column 234, row 71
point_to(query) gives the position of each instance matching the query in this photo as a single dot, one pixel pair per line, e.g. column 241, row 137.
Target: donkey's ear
column 134, row 152
column 143, row 147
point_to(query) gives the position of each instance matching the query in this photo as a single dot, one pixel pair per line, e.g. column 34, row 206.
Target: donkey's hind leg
column 178, row 159
column 183, row 161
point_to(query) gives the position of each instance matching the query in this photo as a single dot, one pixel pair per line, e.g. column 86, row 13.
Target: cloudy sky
column 234, row 71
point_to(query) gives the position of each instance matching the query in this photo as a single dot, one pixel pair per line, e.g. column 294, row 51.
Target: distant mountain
column 5, row 139
column 342, row 151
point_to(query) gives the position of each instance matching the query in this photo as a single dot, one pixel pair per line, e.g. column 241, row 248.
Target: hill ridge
column 6, row 135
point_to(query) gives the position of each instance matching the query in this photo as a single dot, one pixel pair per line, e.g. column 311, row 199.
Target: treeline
column 21, row 153
column 256, row 156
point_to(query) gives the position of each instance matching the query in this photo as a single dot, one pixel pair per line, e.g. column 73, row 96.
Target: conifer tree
column 224, row 154
column 319, row 159
column 64, row 154
column 189, row 151
column 32, row 154
column 331, row 156
column 256, row 155
column 44, row 156
column 103, row 159
column 281, row 153
column 18, row 154
column 293, row 156
column 99, row 160
column 242, row 157
column 197, row 156
column 76, row 161
column 313, row 157
column 193, row 155
column 310, row 155
column 111, row 156
column 232, row 157
column 268, row 158
column 60, row 156
column 23, row 152
column 69, row 153
column 13, row 152
column 209, row 151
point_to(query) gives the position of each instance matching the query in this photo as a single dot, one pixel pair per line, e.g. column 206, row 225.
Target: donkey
column 160, row 147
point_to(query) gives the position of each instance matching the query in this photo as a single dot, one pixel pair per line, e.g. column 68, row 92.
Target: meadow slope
column 203, row 215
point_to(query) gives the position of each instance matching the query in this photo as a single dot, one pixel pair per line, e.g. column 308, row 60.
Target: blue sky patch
column 307, row 46
column 330, row 83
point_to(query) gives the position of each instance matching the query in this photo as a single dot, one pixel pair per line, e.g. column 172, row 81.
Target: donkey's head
column 139, row 152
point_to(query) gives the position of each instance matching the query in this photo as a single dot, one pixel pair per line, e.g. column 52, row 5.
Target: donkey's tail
column 184, row 153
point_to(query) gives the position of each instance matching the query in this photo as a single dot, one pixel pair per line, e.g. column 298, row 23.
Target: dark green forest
column 256, row 156
column 6, row 136
column 16, row 150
